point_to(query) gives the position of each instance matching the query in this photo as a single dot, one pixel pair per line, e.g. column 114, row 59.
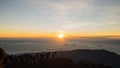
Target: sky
column 47, row 18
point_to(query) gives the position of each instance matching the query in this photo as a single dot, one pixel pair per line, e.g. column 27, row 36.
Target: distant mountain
column 94, row 56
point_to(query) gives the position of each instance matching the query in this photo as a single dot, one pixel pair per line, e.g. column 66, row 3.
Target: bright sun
column 61, row 36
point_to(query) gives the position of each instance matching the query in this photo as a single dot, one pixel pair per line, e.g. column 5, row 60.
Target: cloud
column 109, row 10
column 73, row 14
column 71, row 5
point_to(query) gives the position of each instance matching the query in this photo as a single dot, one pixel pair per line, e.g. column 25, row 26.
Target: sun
column 61, row 36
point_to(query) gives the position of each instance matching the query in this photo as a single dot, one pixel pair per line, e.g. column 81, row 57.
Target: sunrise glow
column 61, row 36
column 53, row 19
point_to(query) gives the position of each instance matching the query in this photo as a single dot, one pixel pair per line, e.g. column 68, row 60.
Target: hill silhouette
column 64, row 59
column 94, row 56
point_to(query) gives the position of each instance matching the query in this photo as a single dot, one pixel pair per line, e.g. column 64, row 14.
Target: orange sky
column 52, row 35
